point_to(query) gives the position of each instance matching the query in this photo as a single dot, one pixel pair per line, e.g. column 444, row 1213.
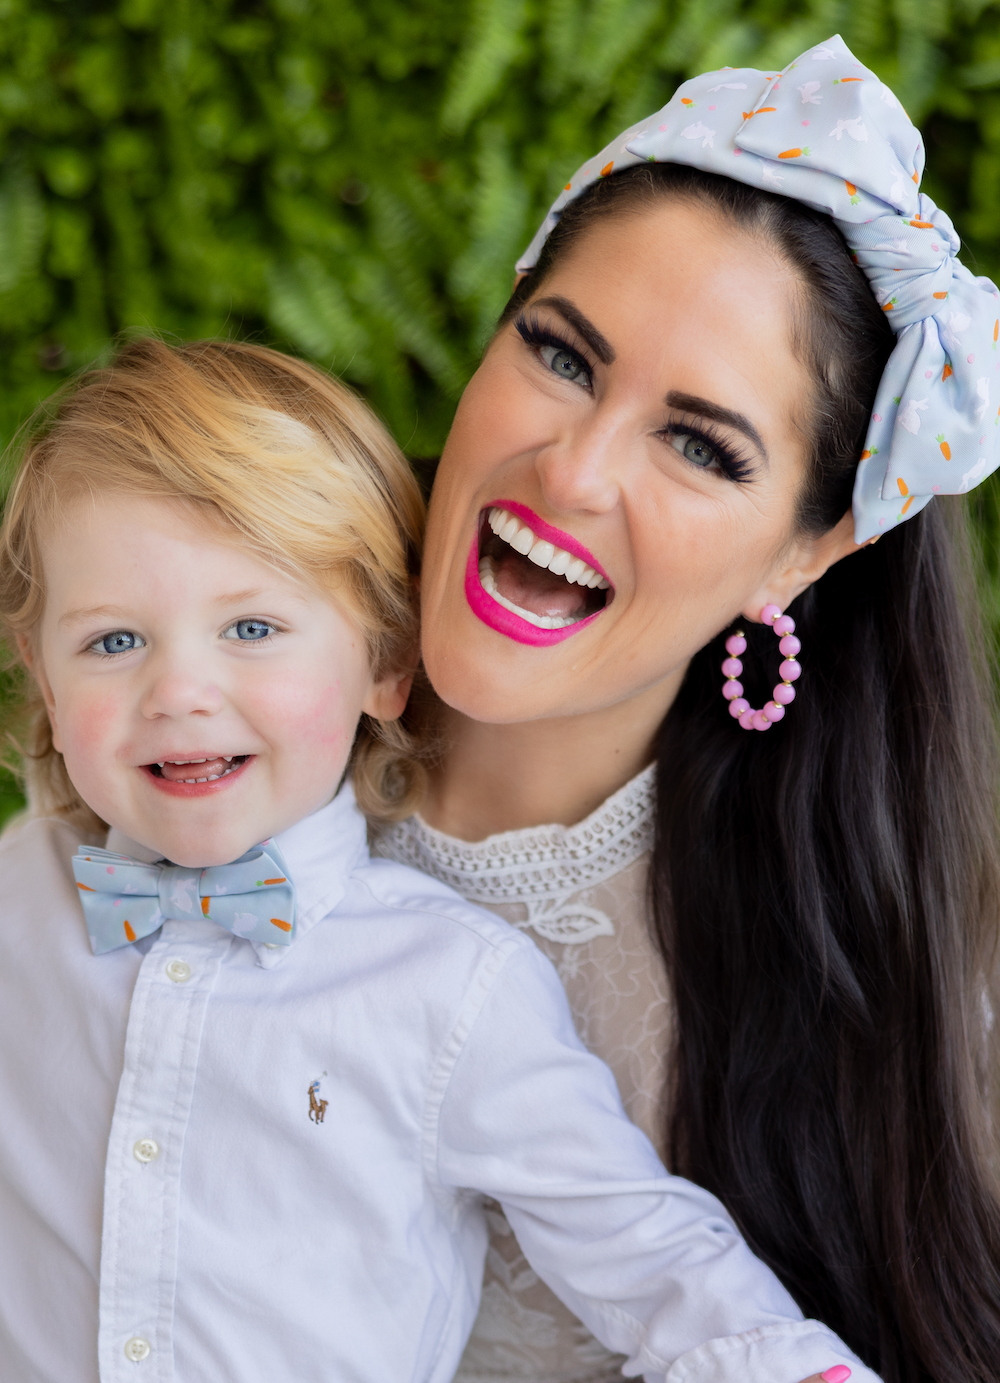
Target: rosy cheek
column 304, row 715
column 86, row 724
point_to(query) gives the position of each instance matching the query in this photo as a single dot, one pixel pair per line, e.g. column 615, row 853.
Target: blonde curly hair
column 284, row 454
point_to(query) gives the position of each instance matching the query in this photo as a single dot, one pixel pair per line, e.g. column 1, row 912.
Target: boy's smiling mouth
column 191, row 772
column 531, row 581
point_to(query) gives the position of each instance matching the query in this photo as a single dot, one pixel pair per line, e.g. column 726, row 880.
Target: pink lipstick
column 560, row 577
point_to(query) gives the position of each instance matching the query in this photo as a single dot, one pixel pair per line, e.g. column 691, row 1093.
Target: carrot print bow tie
column 124, row 899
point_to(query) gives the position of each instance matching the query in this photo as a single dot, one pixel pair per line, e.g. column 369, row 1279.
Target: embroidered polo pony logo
column 317, row 1107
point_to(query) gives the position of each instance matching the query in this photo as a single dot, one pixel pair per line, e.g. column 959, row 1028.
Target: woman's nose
column 580, row 471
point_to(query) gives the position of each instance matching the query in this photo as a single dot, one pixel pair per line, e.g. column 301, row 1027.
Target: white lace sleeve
column 581, row 894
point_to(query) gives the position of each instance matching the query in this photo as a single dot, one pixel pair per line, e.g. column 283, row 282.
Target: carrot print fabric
column 827, row 132
column 124, row 899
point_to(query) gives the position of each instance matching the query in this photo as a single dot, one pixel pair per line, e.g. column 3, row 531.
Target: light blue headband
column 829, row 133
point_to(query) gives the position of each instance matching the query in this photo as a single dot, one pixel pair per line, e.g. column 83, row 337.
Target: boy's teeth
column 544, row 554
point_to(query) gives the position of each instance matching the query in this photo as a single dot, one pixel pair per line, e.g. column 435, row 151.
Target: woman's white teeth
column 543, row 553
column 488, row 581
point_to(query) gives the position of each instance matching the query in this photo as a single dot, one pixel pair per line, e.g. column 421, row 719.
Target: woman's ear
column 807, row 560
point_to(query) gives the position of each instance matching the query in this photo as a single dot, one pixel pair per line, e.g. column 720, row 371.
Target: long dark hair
column 826, row 895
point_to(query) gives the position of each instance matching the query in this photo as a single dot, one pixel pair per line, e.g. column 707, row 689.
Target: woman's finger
column 840, row 1373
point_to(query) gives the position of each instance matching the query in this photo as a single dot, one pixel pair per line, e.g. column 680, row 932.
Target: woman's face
column 642, row 428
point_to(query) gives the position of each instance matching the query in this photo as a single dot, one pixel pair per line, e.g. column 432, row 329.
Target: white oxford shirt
column 221, row 1162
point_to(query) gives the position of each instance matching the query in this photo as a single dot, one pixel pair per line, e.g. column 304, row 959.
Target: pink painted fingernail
column 840, row 1373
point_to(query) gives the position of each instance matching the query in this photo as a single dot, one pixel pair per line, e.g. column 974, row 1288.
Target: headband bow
column 827, row 132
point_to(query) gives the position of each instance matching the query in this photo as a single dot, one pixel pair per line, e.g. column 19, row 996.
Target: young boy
column 254, row 1085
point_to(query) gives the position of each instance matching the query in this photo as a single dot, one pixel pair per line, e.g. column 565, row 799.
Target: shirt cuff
column 786, row 1353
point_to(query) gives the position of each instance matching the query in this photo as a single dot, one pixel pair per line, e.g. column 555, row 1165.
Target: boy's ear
column 387, row 698
column 27, row 652
column 805, row 563
column 36, row 667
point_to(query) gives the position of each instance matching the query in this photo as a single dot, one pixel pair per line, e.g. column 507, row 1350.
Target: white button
column 271, row 945
column 179, row 971
column 146, row 1149
column 137, row 1349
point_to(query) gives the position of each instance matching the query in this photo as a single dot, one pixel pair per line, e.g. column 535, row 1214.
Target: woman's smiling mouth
column 530, row 581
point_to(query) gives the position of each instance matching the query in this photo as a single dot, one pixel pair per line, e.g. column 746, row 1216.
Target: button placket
column 142, row 1174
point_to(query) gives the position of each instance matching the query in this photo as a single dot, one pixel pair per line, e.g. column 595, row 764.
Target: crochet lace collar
column 541, row 867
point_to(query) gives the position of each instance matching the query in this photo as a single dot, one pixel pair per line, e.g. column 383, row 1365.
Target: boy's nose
column 175, row 694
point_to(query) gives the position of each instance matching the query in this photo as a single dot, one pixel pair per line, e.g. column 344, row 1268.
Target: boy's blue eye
column 121, row 641
column 250, row 630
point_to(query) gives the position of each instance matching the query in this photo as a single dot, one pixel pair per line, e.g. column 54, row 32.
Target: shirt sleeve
column 651, row 1263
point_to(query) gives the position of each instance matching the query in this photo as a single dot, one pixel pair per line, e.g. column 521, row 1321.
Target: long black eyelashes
column 533, row 334
column 733, row 465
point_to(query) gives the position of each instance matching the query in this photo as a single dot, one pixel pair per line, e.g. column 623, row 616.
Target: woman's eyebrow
column 715, row 413
column 597, row 342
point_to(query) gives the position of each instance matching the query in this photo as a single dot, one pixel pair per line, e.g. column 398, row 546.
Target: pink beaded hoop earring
column 790, row 671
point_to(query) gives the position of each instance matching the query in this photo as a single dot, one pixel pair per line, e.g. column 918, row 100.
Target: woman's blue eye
column 564, row 363
column 121, row 641
column 696, row 451
column 251, row 630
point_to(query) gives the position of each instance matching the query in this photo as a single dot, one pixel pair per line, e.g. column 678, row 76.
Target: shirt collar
column 321, row 851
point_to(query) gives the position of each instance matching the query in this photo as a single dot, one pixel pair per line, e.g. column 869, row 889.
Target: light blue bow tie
column 124, row 899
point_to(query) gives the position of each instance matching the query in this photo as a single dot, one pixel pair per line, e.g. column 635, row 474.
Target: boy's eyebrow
column 116, row 611
column 252, row 593
column 93, row 612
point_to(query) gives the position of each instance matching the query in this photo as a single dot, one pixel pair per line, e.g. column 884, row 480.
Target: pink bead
column 790, row 670
column 784, row 695
column 774, row 712
column 784, row 624
column 746, row 719
column 736, row 708
column 731, row 689
column 736, row 644
column 770, row 613
column 732, row 667
column 760, row 721
column 789, row 645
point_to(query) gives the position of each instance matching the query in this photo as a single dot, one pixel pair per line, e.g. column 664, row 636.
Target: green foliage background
column 352, row 179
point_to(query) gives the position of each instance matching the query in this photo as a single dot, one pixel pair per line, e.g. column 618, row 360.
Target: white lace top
column 580, row 892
